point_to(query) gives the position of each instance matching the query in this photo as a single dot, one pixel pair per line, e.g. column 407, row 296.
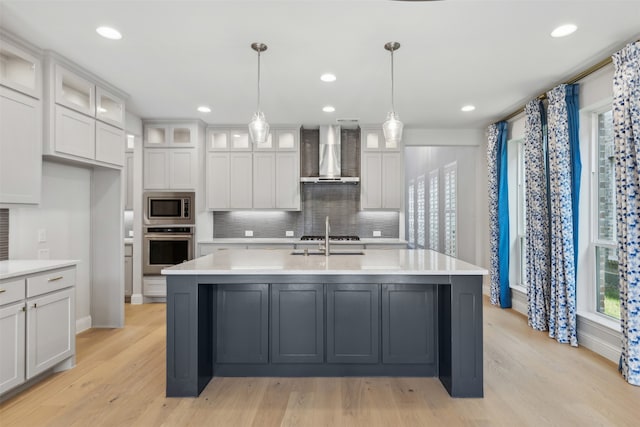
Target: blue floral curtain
column 626, row 127
column 562, row 293
column 537, row 214
column 498, row 214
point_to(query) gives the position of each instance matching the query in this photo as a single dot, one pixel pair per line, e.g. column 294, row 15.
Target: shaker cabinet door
column 297, row 317
column 353, row 323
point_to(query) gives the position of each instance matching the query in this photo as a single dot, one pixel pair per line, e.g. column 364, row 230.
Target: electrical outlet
column 42, row 235
column 248, row 233
column 289, row 233
column 43, row 253
column 377, row 233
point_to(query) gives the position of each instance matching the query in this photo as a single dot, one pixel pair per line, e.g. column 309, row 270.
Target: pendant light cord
column 258, row 81
column 393, row 108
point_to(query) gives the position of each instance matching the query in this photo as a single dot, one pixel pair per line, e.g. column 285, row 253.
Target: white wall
column 422, row 160
column 65, row 215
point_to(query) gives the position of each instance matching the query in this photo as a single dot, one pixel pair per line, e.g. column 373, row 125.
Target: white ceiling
column 177, row 55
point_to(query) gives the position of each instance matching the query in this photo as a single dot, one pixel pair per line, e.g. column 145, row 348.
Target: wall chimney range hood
column 329, row 159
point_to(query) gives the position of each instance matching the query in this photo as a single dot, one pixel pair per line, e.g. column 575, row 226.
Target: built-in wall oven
column 166, row 246
column 169, row 227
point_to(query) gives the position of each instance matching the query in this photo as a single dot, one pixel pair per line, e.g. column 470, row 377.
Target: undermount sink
column 331, row 253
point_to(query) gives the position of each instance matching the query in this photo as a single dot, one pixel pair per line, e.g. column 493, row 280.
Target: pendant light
column 258, row 126
column 392, row 127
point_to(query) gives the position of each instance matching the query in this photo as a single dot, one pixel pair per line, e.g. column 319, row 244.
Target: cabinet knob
column 53, row 279
column 2, row 290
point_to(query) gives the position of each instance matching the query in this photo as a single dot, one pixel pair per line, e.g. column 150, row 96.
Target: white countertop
column 13, row 268
column 296, row 240
column 280, row 261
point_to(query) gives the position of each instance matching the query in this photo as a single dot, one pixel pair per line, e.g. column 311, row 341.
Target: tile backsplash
column 341, row 202
column 4, row 234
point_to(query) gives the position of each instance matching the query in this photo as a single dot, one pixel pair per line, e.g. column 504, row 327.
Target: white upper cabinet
column 170, row 135
column 20, row 147
column 110, row 144
column 382, row 185
column 228, row 139
column 109, row 108
column 74, row 92
column 372, row 139
column 84, row 122
column 169, row 169
column 281, row 139
column 19, row 70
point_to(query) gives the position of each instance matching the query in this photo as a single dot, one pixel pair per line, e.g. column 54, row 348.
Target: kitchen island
column 392, row 312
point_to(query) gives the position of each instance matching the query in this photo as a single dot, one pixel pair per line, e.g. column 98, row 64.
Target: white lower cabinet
column 128, row 270
column 50, row 330
column 20, row 147
column 12, row 351
column 169, row 169
column 37, row 325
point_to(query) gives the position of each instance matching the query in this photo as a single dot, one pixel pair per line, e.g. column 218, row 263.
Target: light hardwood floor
column 529, row 381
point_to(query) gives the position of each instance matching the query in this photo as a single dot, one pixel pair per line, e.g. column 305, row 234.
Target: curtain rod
column 592, row 69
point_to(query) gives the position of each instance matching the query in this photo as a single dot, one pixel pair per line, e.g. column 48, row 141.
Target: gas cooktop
column 346, row 238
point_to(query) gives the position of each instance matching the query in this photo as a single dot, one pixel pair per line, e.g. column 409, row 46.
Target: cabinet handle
column 53, row 279
column 2, row 290
column 24, row 308
column 35, row 305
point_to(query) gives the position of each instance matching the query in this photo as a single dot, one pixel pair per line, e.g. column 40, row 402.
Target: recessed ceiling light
column 564, row 30
column 328, row 109
column 109, row 33
column 328, row 77
column 204, row 109
column 468, row 108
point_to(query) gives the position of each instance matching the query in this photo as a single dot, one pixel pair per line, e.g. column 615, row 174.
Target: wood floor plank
column 529, row 380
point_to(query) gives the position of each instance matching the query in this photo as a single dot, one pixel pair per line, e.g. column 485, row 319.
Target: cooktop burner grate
column 346, row 238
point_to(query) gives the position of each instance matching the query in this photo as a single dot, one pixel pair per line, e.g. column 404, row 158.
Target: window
column 521, row 219
column 433, row 210
column 420, row 197
column 450, row 202
column 411, row 214
column 604, row 241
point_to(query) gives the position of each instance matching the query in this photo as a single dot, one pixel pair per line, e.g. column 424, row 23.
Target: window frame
column 450, row 231
column 434, row 228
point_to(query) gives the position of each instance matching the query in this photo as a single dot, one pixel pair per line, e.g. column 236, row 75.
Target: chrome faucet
column 327, row 228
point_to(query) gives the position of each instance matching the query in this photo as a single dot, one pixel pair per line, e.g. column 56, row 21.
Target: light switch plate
column 289, row 233
column 377, row 233
column 248, row 233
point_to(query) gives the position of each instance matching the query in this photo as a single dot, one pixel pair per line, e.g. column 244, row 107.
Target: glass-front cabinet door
column 74, row 92
column 109, row 108
column 19, row 70
column 287, row 139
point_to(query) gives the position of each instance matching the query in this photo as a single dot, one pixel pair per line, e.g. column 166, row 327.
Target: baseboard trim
column 83, row 324
column 600, row 339
column 137, row 299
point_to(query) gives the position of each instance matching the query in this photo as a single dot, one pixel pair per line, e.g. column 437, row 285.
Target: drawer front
column 50, row 281
column 11, row 291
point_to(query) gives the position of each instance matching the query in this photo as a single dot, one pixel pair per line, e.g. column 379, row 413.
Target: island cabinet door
column 353, row 323
column 408, row 324
column 297, row 317
column 242, row 323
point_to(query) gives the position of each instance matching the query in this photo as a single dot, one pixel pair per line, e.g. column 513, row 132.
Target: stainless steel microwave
column 169, row 208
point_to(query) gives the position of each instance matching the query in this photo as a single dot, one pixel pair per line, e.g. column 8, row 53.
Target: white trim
column 83, row 324
column 599, row 338
column 137, row 299
column 519, row 300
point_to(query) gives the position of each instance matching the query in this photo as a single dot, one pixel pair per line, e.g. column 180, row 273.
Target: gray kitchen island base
column 324, row 325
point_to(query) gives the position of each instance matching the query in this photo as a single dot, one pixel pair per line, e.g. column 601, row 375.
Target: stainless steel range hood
column 329, row 159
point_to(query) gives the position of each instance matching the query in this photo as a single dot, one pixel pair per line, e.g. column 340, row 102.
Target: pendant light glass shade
column 258, row 126
column 392, row 127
